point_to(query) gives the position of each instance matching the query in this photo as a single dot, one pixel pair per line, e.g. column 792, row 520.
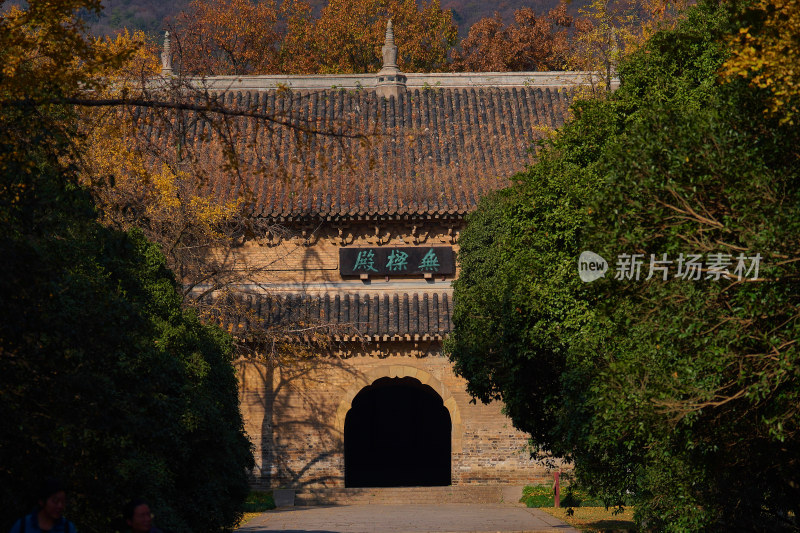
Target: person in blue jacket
column 48, row 517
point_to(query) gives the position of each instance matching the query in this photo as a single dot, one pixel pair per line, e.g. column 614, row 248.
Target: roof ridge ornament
column 389, row 48
column 166, row 57
column 391, row 82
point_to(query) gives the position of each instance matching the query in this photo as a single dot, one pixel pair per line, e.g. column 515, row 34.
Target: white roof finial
column 166, row 57
column 389, row 49
column 389, row 32
column 391, row 82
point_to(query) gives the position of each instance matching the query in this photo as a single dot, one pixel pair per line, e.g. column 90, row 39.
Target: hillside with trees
column 153, row 17
column 242, row 37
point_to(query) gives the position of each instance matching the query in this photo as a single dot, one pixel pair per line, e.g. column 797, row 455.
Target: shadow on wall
column 397, row 433
column 300, row 444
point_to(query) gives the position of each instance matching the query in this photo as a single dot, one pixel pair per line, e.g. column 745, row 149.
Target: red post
column 557, row 489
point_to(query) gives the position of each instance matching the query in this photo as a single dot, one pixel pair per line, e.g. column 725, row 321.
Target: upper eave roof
column 432, row 152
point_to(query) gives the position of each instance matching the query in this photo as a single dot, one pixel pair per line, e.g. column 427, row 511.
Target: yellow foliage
column 61, row 86
column 46, row 50
column 124, row 176
column 767, row 54
column 610, row 30
column 140, row 62
column 45, row 57
column 165, row 185
column 160, row 191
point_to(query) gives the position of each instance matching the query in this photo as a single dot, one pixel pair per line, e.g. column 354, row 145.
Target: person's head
column 138, row 516
column 52, row 498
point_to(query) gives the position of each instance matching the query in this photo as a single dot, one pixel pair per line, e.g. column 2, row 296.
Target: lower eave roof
column 343, row 317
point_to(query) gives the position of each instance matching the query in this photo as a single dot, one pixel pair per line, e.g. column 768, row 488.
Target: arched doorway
column 397, row 434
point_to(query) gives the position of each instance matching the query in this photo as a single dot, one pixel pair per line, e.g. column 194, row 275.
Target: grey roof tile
column 353, row 316
column 432, row 151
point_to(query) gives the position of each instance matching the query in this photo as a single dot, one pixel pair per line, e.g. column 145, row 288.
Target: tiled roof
column 363, row 317
column 432, row 152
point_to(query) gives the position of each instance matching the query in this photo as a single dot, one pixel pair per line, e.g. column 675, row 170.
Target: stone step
column 410, row 495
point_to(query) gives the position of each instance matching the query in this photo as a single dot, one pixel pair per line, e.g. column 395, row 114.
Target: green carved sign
column 405, row 260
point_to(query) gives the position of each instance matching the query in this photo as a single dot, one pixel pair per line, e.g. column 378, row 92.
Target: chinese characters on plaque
column 396, row 261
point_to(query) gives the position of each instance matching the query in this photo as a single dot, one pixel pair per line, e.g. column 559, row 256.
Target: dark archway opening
column 397, row 434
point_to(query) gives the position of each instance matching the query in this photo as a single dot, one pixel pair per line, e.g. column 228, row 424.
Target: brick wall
column 295, row 414
column 295, row 418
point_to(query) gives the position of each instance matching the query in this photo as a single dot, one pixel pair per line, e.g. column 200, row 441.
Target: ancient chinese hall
column 369, row 250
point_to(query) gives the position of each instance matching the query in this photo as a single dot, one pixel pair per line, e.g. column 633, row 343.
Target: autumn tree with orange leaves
column 224, row 37
column 595, row 41
column 218, row 37
column 349, row 35
column 531, row 43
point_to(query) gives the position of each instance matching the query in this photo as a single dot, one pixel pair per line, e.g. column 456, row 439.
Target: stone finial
column 389, row 48
column 166, row 57
column 391, row 82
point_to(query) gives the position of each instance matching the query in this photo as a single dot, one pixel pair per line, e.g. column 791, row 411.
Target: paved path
column 441, row 518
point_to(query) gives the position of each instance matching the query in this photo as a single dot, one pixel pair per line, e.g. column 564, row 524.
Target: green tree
column 104, row 379
column 680, row 395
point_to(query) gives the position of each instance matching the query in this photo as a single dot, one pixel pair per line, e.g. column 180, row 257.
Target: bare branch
column 211, row 106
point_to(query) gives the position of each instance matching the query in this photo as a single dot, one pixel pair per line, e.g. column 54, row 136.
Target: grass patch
column 538, row 496
column 595, row 519
column 543, row 496
column 258, row 502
